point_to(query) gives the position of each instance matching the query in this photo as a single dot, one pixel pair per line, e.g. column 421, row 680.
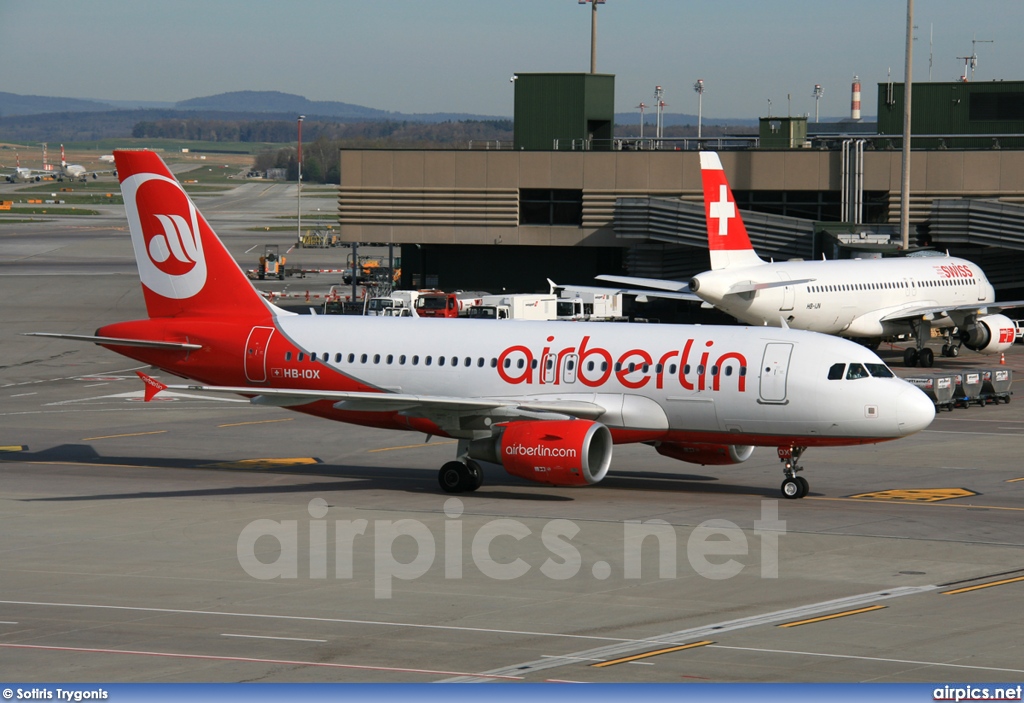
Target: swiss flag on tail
column 727, row 235
column 184, row 267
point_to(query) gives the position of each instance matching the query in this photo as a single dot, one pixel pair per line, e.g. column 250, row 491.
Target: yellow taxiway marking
column 412, row 446
column 263, row 463
column 983, row 585
column 14, row 448
column 1015, row 480
column 970, row 506
column 655, row 653
column 833, row 616
column 257, row 422
column 918, row 495
column 115, row 436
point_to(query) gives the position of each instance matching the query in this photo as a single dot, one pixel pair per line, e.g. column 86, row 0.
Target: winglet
column 152, row 386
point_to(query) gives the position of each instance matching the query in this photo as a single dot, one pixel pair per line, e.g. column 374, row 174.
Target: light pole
column 299, row 207
column 818, row 92
column 642, row 107
column 699, row 87
column 593, row 31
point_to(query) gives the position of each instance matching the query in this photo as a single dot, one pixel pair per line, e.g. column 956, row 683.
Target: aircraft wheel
column 954, row 350
column 453, row 477
column 474, row 476
column 792, row 489
column 927, row 358
column 804, row 486
column 910, row 358
column 945, row 350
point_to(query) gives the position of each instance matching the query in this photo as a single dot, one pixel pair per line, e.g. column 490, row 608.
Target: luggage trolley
column 938, row 387
column 968, row 388
column 995, row 384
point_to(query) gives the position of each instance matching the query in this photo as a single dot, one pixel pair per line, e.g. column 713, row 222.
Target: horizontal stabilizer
column 117, row 341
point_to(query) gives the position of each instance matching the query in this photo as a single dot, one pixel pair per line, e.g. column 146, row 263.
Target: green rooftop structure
column 564, row 111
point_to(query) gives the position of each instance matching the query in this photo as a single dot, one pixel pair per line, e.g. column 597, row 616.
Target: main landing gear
column 462, row 475
column 919, row 353
column 793, row 486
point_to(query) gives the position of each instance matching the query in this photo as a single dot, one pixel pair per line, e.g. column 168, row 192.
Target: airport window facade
column 823, row 206
column 551, row 206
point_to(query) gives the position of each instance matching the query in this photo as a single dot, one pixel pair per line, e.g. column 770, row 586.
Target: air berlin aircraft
column 545, row 400
column 867, row 299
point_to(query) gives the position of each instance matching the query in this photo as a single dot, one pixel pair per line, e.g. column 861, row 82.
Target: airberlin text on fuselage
column 635, row 368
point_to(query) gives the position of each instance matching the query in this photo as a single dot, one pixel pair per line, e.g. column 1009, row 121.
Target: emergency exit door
column 774, row 371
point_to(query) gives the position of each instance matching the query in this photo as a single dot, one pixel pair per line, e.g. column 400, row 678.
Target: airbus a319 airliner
column 545, row 400
column 869, row 299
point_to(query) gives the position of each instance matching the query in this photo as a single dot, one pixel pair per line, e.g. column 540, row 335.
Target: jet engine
column 988, row 335
column 706, row 454
column 556, row 452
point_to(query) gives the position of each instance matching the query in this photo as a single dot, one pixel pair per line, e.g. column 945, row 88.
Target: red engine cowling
column 556, row 452
column 989, row 335
column 706, row 454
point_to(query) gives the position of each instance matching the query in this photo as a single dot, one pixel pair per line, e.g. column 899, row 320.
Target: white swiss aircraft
column 867, row 299
column 76, row 171
column 24, row 174
column 545, row 400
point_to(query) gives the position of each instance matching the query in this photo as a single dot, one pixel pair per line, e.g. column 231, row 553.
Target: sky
column 458, row 55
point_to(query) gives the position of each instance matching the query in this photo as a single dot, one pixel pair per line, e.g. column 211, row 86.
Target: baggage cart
column 967, row 389
column 995, row 384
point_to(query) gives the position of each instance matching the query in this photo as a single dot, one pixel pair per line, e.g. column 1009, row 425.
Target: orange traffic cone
column 1002, row 358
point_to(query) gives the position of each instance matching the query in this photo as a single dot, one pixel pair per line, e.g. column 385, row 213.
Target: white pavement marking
column 342, row 621
column 681, row 636
column 268, row 637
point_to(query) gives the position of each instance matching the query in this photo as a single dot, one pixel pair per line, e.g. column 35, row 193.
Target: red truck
column 441, row 304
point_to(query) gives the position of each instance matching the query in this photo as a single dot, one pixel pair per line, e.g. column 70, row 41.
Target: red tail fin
column 184, row 267
column 727, row 235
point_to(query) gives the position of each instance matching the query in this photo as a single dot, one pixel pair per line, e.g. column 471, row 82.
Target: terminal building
column 568, row 201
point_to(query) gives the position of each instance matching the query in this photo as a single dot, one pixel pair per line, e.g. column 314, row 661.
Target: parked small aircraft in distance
column 545, row 400
column 864, row 299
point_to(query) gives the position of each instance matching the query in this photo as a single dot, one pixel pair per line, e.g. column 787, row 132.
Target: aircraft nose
column 914, row 411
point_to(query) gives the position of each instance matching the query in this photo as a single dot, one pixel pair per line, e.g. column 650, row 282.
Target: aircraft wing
column 442, row 409
column 924, row 310
column 750, row 286
column 671, row 290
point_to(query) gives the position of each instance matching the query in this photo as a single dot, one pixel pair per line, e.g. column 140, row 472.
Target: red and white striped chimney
column 855, row 100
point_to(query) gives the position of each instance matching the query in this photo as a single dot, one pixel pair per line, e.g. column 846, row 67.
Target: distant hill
column 13, row 104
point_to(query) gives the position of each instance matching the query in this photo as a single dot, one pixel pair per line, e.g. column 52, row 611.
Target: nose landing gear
column 793, row 486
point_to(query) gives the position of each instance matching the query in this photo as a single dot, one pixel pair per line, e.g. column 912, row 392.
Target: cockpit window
column 880, row 371
column 835, row 372
column 856, row 371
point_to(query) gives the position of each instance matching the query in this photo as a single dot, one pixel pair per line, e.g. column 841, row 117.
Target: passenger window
column 288, row 356
column 480, row 362
column 468, row 362
column 302, row 356
column 390, row 359
column 337, row 358
column 376, row 358
column 426, row 362
column 312, row 356
column 362, row 359
column 856, row 371
column 401, row 360
column 494, row 363
column 415, row 360
column 835, row 372
column 672, row 369
column 440, row 360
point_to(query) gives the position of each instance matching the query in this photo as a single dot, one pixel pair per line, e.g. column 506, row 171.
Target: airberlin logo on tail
column 165, row 234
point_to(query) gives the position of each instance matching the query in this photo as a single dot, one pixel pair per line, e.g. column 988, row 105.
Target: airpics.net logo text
column 500, row 549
